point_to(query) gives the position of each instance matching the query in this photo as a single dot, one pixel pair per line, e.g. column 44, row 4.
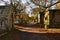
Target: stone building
column 5, row 17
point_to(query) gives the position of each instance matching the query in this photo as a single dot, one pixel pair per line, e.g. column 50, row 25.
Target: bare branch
column 17, row 4
column 44, row 6
column 15, row 7
column 37, row 4
column 53, row 4
column 5, row 2
column 19, row 10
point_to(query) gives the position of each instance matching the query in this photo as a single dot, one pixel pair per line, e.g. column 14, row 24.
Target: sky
column 26, row 3
column 3, row 3
column 29, row 6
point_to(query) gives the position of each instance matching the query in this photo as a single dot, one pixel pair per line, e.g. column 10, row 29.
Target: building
column 5, row 17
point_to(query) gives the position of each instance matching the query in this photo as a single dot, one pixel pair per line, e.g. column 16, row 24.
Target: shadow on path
column 18, row 35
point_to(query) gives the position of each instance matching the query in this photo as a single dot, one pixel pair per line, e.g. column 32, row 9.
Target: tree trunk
column 42, row 19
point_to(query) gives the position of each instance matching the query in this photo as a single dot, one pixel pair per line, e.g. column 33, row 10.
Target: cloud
column 3, row 2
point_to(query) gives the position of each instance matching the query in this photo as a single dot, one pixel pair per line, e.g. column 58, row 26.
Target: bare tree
column 44, row 5
column 15, row 9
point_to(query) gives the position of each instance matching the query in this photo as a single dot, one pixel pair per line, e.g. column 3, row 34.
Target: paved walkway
column 12, row 35
column 31, row 34
column 36, row 30
column 20, row 35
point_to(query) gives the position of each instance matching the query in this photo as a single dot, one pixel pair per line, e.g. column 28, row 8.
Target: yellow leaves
column 58, row 6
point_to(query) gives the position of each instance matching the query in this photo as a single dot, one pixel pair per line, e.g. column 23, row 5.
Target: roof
column 54, row 10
